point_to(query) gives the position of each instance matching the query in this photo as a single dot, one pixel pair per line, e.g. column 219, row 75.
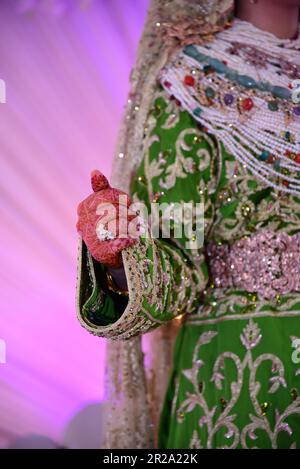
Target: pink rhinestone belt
column 267, row 263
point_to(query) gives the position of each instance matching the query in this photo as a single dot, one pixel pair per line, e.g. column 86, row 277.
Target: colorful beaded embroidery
column 253, row 112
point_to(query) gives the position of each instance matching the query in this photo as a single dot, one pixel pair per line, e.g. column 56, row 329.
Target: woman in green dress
column 213, row 121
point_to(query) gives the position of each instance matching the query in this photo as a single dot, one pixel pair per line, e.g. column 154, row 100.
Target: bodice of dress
column 245, row 95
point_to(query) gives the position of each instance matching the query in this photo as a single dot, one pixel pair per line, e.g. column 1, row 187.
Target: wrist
column 116, row 281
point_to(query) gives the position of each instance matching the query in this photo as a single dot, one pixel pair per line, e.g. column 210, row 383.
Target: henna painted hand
column 106, row 222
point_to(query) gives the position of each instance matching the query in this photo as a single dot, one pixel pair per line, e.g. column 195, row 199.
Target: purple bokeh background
column 66, row 76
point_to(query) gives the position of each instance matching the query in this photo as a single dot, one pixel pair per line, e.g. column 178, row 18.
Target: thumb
column 98, row 181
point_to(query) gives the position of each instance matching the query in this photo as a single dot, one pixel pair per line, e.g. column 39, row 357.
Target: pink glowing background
column 67, row 80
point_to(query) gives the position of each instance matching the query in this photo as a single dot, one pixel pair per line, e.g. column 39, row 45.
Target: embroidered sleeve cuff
column 162, row 284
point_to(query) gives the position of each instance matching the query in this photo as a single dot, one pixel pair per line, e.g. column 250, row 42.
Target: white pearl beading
column 258, row 130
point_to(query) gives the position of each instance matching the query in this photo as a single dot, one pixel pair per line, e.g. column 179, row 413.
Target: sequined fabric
column 266, row 262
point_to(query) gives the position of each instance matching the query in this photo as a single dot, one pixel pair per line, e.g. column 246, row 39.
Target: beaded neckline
column 253, row 35
column 240, row 88
column 260, row 48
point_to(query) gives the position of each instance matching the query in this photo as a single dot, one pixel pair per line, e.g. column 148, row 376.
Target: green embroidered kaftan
column 236, row 374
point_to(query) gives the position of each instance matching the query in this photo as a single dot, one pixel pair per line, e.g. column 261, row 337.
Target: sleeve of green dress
column 166, row 273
